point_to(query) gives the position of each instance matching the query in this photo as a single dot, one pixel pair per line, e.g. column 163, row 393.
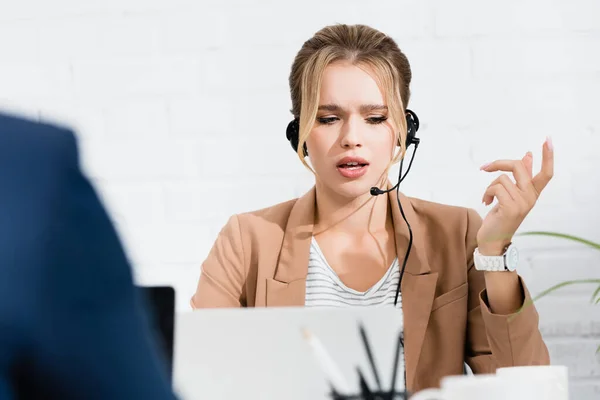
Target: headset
column 412, row 124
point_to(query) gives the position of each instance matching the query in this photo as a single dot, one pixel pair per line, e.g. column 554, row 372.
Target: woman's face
column 352, row 141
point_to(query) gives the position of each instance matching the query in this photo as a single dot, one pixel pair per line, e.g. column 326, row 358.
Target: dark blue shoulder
column 25, row 139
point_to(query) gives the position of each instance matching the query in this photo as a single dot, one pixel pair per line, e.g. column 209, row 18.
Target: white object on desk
column 261, row 353
column 547, row 382
column 466, row 387
column 514, row 383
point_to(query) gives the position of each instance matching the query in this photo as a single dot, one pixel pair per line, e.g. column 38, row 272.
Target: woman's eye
column 327, row 120
column 331, row 120
column 376, row 120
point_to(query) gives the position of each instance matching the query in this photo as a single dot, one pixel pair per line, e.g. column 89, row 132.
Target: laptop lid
column 262, row 353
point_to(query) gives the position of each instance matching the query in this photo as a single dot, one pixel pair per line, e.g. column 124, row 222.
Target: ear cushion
column 292, row 133
column 412, row 125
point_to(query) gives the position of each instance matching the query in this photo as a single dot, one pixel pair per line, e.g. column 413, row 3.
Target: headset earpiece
column 412, row 126
column 292, row 133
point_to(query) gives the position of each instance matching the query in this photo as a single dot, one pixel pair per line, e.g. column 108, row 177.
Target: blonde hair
column 362, row 46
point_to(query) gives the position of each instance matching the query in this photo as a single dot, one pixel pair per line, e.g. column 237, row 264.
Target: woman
column 339, row 244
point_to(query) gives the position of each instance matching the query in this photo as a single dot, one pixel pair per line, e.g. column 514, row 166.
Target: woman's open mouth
column 352, row 167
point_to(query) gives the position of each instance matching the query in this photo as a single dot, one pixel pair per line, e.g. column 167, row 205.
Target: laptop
column 263, row 353
column 159, row 302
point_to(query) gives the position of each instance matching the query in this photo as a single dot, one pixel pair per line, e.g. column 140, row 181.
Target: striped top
column 325, row 289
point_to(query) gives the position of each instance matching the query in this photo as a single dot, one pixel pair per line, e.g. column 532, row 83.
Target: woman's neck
column 357, row 217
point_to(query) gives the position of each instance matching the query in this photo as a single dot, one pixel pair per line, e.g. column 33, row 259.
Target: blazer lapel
column 288, row 286
column 418, row 283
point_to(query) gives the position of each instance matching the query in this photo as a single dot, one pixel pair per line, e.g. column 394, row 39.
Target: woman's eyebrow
column 330, row 107
column 363, row 109
column 372, row 107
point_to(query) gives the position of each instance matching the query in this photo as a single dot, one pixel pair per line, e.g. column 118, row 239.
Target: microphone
column 375, row 191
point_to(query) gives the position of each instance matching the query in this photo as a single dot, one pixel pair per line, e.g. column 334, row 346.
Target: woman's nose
column 350, row 135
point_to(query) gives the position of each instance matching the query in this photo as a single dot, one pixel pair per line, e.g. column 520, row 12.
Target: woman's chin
column 354, row 189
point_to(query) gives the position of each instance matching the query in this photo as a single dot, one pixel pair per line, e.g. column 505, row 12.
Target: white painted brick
column 27, row 109
column 167, row 243
column 489, row 105
column 148, row 160
column 87, row 121
column 264, row 114
column 427, row 55
column 584, row 192
column 472, row 18
column 195, row 29
column 29, row 9
column 515, row 18
column 246, row 69
column 30, row 80
column 551, row 268
column 201, row 201
column 19, row 40
column 482, row 106
column 215, row 72
column 134, row 202
column 18, row 11
column 579, row 356
column 185, row 242
column 256, row 21
column 536, row 58
column 263, row 22
column 203, row 115
column 110, row 78
column 584, row 390
column 92, row 36
column 401, row 20
column 569, row 219
column 241, row 157
column 143, row 119
column 581, row 15
column 566, row 316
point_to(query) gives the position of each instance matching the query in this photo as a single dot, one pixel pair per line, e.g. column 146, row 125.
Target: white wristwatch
column 506, row 262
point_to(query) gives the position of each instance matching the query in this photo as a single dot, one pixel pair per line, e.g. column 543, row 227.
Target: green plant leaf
column 563, row 284
column 562, row 236
column 596, row 294
column 552, row 289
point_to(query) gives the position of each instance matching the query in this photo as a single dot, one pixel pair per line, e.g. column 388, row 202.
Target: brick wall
column 181, row 110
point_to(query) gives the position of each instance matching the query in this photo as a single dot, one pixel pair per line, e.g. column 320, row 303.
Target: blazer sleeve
column 495, row 341
column 222, row 274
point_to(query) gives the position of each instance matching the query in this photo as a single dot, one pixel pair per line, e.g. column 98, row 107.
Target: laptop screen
column 160, row 305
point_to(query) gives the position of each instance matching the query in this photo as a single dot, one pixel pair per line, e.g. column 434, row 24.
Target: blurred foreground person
column 71, row 326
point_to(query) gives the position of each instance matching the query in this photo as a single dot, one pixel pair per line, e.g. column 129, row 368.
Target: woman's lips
column 352, row 169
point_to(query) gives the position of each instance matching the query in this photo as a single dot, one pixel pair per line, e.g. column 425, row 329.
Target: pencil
column 363, row 335
column 329, row 367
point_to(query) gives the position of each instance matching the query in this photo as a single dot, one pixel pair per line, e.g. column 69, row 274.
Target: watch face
column 512, row 258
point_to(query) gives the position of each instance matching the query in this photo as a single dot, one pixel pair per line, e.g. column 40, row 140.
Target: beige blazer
column 260, row 259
